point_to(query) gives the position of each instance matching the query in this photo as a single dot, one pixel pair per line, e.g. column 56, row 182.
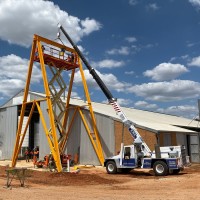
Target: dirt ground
column 95, row 183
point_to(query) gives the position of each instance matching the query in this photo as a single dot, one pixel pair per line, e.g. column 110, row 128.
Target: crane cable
column 58, row 36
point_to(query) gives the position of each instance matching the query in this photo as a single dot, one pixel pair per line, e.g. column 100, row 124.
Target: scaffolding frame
column 57, row 63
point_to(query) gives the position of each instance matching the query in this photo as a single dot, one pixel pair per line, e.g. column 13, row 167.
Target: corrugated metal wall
column 105, row 126
column 2, row 131
column 43, row 143
column 181, row 139
column 78, row 140
column 106, row 132
column 87, row 153
column 194, row 148
column 8, row 129
column 73, row 143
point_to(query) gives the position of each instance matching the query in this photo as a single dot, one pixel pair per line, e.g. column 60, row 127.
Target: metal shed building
column 155, row 128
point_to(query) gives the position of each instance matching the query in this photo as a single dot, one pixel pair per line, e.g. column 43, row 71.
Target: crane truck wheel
column 111, row 167
column 160, row 168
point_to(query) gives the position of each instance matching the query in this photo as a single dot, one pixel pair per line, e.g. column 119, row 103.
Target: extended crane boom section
column 91, row 70
column 130, row 125
column 133, row 131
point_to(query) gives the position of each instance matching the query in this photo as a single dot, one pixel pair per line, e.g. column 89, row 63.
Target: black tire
column 174, row 171
column 111, row 167
column 160, row 168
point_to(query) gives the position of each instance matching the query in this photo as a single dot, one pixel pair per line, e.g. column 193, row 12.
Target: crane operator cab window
column 127, row 153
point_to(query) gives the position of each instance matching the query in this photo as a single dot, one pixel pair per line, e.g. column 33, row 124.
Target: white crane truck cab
column 172, row 160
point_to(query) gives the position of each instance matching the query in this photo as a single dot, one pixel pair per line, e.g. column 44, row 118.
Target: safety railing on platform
column 60, row 54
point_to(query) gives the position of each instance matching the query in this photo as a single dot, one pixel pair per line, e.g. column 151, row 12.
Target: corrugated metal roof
column 148, row 120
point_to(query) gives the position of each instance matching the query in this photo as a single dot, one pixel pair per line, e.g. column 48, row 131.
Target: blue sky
column 146, row 51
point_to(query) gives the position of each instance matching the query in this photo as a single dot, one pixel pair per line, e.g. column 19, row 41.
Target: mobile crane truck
column 165, row 160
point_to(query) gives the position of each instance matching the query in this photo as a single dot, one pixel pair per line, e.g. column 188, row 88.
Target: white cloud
column 172, row 59
column 190, row 44
column 75, row 95
column 167, row 91
column 187, row 111
column 165, row 71
column 21, row 19
column 124, row 102
column 184, row 57
column 145, row 105
column 195, row 3
column 121, row 51
column 13, row 74
column 148, row 46
column 89, row 25
column 129, row 72
column 138, row 48
column 152, row 6
column 108, row 63
column 131, row 39
column 133, row 2
column 110, row 81
column 121, row 102
column 195, row 62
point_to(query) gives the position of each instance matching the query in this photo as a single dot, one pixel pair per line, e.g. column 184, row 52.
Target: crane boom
column 129, row 124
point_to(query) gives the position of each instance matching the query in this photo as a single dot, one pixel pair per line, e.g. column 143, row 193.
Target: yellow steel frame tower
column 57, row 58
